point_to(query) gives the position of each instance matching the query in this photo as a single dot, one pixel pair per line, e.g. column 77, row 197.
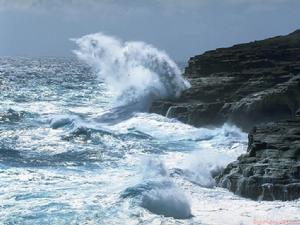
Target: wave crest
column 133, row 71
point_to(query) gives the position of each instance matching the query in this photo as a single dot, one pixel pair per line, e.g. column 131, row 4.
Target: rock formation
column 250, row 84
column 246, row 84
column 270, row 170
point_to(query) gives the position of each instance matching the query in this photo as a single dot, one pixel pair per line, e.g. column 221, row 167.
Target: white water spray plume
column 133, row 71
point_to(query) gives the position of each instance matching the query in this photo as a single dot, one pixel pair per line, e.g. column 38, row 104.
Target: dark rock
column 298, row 113
column 246, row 84
column 161, row 107
column 270, row 170
column 197, row 114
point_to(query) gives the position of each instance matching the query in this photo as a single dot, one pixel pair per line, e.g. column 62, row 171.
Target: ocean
column 78, row 146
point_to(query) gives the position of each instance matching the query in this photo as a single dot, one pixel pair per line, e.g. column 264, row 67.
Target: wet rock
column 246, row 84
column 270, row 170
column 197, row 114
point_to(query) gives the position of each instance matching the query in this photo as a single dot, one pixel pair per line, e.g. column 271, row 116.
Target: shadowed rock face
column 246, row 84
column 270, row 170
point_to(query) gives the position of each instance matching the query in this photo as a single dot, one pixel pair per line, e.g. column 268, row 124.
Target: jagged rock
column 270, row 170
column 246, row 84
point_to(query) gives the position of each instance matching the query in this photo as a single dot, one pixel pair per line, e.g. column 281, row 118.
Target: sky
column 183, row 28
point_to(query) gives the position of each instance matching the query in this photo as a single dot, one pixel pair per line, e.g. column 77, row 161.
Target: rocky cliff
column 246, row 84
column 270, row 170
column 250, row 85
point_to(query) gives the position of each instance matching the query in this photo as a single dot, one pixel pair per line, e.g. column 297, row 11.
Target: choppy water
column 61, row 164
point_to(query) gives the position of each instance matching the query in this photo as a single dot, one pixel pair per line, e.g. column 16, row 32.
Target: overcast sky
column 182, row 28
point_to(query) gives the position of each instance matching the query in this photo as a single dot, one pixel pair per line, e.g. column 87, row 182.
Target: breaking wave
column 134, row 72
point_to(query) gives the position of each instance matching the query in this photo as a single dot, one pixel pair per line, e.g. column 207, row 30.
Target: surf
column 135, row 73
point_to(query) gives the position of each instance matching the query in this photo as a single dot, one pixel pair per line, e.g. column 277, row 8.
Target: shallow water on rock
column 60, row 163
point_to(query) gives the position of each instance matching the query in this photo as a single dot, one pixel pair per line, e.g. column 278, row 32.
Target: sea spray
column 212, row 155
column 133, row 71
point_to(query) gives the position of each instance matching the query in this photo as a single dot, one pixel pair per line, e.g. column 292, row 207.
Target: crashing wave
column 133, row 71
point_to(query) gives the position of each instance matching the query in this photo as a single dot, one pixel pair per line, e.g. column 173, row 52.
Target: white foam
column 202, row 165
column 131, row 70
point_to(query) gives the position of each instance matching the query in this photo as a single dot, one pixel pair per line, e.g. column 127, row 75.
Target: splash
column 133, row 71
column 158, row 193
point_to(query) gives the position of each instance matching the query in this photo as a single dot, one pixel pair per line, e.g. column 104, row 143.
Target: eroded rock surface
column 270, row 170
column 246, row 84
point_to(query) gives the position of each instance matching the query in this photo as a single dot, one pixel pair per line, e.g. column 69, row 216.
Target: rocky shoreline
column 257, row 87
column 270, row 170
column 246, row 84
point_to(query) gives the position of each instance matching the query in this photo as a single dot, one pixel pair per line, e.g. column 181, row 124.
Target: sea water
column 78, row 146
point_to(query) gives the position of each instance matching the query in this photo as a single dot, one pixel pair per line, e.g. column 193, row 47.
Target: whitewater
column 78, row 146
